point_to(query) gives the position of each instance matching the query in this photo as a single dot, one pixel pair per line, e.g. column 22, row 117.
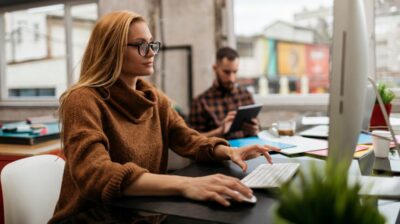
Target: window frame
column 5, row 100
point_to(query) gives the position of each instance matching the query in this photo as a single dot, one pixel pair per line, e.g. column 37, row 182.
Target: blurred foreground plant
column 325, row 197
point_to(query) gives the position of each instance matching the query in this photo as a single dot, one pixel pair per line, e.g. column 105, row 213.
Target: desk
column 261, row 212
column 12, row 152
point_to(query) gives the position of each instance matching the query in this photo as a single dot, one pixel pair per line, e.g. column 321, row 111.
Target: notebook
column 360, row 151
column 241, row 142
column 321, row 131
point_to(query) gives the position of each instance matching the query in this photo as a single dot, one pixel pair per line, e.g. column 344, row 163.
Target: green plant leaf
column 325, row 197
column 386, row 93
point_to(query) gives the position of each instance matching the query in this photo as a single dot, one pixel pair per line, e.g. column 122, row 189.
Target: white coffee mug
column 381, row 145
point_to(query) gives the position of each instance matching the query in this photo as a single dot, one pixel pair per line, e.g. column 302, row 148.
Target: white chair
column 31, row 187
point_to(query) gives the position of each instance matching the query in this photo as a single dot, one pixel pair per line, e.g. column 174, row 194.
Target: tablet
column 244, row 114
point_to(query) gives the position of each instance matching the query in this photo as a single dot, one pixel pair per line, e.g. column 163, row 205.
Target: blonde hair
column 104, row 54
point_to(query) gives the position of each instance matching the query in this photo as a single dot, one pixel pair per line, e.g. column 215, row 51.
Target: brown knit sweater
column 113, row 136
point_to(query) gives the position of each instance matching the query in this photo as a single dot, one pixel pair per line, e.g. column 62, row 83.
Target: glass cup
column 285, row 128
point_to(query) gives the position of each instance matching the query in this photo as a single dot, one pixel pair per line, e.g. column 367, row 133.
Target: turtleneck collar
column 137, row 105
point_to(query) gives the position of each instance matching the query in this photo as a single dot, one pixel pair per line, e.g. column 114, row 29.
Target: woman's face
column 134, row 64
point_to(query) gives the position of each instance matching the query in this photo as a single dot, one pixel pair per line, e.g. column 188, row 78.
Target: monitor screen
column 348, row 79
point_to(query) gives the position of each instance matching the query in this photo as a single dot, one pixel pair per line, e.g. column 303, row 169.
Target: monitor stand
column 389, row 166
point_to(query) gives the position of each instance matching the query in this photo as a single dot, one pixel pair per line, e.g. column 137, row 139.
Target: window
column 285, row 45
column 245, row 47
column 34, row 61
column 36, row 44
column 32, row 92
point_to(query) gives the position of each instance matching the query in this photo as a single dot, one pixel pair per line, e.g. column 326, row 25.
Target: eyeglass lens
column 144, row 48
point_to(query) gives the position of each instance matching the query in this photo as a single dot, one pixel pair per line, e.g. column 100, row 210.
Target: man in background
column 213, row 111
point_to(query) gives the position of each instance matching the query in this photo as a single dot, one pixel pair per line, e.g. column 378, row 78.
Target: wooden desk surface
column 29, row 150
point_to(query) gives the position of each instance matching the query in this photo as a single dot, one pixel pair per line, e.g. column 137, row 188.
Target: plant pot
column 377, row 120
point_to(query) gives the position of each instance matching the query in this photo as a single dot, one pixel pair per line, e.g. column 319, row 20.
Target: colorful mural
column 269, row 67
column 318, row 68
column 296, row 60
column 291, row 59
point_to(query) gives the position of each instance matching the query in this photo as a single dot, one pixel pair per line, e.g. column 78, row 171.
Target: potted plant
column 377, row 119
column 325, row 197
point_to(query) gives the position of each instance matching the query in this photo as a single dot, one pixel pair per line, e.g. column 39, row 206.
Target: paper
column 357, row 153
column 302, row 144
column 315, row 120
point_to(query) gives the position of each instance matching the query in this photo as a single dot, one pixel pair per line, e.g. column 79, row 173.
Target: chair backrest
column 31, row 187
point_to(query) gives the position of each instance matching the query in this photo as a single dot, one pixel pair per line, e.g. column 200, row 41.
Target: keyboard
column 270, row 175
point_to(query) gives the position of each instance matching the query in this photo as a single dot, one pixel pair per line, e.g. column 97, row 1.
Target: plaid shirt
column 210, row 108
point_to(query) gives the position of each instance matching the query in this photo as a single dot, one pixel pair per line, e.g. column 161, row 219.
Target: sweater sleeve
column 86, row 149
column 185, row 141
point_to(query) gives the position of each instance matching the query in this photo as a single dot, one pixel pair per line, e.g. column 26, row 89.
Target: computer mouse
column 251, row 200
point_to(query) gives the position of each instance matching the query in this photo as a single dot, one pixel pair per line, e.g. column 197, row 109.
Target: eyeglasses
column 143, row 48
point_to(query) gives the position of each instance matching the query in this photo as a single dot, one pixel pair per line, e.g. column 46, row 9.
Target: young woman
column 117, row 129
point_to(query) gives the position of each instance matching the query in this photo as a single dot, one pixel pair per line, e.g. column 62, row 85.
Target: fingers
column 227, row 122
column 254, row 121
column 221, row 189
column 214, row 196
column 231, row 113
column 250, row 129
column 241, row 163
column 253, row 151
column 233, row 185
column 265, row 151
column 272, row 148
column 230, row 116
column 267, row 156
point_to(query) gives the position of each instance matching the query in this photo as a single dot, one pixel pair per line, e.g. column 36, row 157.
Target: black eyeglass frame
column 144, row 47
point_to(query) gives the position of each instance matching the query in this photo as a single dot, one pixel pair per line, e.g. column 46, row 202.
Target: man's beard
column 227, row 87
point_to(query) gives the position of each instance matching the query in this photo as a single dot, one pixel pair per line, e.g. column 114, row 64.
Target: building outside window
column 292, row 45
column 387, row 34
column 37, row 45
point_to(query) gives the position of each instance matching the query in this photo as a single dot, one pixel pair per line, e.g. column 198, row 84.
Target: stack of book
column 25, row 133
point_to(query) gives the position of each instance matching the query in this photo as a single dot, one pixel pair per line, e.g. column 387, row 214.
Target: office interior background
column 285, row 49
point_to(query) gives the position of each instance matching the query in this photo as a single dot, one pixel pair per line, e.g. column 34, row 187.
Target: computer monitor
column 348, row 79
